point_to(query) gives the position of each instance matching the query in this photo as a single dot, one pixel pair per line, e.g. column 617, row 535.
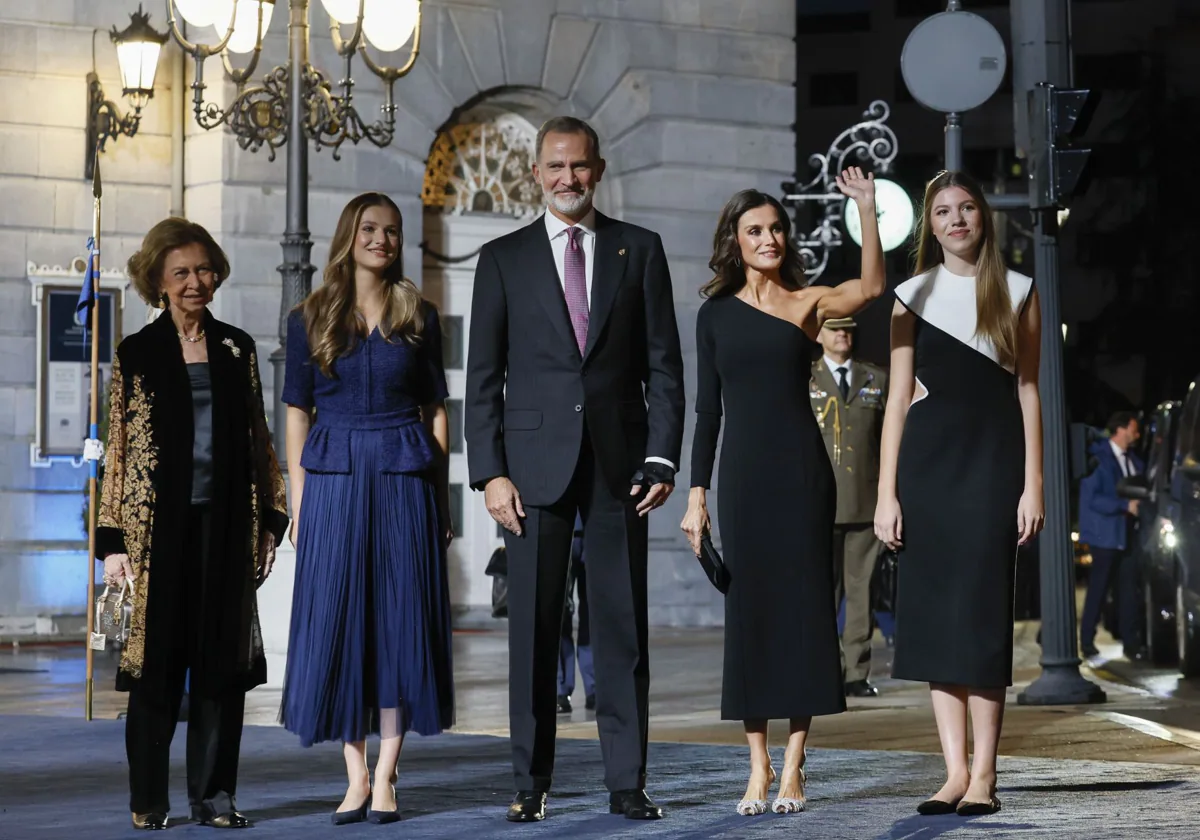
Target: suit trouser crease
column 576, row 645
column 615, row 545
column 855, row 552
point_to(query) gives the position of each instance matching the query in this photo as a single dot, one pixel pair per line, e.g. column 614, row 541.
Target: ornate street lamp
column 296, row 101
column 138, row 48
column 871, row 144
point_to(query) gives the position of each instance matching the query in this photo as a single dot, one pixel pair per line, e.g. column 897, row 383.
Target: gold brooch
column 233, row 348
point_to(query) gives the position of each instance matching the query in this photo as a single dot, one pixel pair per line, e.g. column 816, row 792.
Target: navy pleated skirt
column 370, row 624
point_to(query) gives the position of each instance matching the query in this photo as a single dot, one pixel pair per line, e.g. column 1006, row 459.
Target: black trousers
column 214, row 740
column 214, row 722
column 615, row 540
column 1112, row 566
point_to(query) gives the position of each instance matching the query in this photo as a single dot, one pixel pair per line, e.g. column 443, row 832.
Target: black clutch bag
column 883, row 582
column 713, row 565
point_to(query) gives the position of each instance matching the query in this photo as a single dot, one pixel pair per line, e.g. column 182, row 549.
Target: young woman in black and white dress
column 960, row 483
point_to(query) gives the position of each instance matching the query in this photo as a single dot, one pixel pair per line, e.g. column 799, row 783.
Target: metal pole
column 1060, row 682
column 1041, row 31
column 93, row 432
column 296, row 270
column 954, row 142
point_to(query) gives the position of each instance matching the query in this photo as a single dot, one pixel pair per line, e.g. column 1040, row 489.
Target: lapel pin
column 621, row 252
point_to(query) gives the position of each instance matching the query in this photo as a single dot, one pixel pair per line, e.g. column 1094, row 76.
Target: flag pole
column 93, row 427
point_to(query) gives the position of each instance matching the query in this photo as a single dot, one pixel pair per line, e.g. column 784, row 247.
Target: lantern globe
column 200, row 12
column 343, row 11
column 388, row 24
column 244, row 14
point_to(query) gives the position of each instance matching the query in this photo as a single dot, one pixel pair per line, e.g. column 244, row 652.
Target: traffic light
column 1056, row 118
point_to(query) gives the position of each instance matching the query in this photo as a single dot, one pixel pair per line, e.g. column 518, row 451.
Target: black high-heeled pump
column 384, row 817
column 356, row 816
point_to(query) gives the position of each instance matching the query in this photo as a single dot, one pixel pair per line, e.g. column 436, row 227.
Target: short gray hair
column 566, row 125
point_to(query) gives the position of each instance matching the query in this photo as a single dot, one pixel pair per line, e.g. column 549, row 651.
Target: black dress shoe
column 589, row 702
column 1089, row 651
column 527, row 806
column 936, row 807
column 149, row 822
column 564, row 704
column 978, row 809
column 356, row 816
column 385, row 817
column 861, row 688
column 1137, row 655
column 634, row 804
column 233, row 819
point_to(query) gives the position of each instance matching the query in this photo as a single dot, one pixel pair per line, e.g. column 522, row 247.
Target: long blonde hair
column 330, row 316
column 995, row 318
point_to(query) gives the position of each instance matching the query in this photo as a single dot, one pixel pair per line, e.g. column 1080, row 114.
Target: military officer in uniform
column 848, row 397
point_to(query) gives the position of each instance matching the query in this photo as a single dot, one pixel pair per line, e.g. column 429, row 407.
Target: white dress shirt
column 848, row 365
column 1123, row 460
column 556, row 229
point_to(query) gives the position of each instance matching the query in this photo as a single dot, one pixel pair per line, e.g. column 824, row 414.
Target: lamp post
column 870, row 143
column 138, row 47
column 296, row 101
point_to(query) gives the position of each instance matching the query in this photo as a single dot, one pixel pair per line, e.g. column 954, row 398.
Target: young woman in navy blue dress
column 367, row 437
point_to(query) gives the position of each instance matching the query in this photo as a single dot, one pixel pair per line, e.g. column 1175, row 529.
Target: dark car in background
column 1170, row 494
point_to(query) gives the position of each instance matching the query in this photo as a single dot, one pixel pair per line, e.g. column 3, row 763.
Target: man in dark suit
column 1106, row 525
column 574, row 405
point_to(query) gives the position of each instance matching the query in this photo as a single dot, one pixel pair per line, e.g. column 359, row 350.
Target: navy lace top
column 379, row 385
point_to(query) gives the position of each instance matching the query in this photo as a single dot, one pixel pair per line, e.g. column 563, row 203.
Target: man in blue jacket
column 1106, row 525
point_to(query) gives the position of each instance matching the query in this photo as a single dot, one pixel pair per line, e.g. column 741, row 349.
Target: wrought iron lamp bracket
column 333, row 119
column 871, row 144
column 258, row 114
column 105, row 122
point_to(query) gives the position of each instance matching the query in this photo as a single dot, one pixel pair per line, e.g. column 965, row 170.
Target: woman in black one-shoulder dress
column 777, row 496
column 960, row 481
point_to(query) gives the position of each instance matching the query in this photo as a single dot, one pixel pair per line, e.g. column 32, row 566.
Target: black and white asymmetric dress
column 960, row 475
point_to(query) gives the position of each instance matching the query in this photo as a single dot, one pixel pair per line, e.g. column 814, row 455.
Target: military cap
column 840, row 324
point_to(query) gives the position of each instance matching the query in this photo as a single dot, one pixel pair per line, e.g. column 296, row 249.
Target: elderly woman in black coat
column 193, row 506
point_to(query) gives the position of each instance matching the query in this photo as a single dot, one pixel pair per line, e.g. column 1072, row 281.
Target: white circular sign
column 893, row 208
column 953, row 62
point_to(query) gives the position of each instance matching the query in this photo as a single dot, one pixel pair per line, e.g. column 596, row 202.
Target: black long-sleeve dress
column 775, row 512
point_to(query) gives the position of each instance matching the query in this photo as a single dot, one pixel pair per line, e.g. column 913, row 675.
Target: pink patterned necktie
column 575, row 286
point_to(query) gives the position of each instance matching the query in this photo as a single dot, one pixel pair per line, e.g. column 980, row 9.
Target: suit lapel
column 547, row 287
column 607, row 273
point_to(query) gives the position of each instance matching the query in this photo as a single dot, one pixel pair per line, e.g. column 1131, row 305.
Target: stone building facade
column 692, row 99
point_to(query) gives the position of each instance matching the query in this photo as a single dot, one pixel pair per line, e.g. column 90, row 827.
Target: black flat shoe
column 384, row 817
column 861, row 688
column 564, row 704
column 356, row 816
column 589, row 702
column 936, row 807
column 634, row 804
column 978, row 809
column 527, row 806
column 233, row 819
column 149, row 822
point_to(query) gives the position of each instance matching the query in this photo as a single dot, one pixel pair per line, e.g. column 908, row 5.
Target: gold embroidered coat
column 146, row 504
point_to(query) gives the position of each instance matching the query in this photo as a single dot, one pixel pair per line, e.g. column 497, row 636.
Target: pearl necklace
column 199, row 337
